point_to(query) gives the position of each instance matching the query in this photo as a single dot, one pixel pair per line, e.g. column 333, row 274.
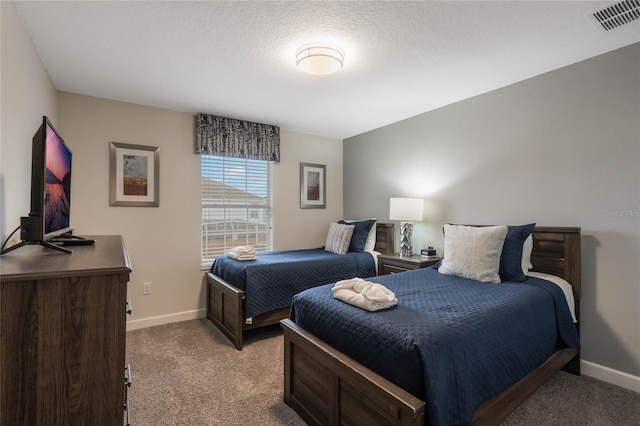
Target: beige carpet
column 188, row 374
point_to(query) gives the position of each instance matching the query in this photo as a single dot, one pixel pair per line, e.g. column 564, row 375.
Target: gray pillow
column 338, row 238
column 473, row 252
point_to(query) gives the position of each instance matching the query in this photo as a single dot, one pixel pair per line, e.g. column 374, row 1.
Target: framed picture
column 134, row 175
column 312, row 186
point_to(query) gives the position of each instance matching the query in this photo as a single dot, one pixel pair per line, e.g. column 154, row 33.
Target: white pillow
column 473, row 252
column 371, row 238
column 564, row 285
column 338, row 238
column 527, row 248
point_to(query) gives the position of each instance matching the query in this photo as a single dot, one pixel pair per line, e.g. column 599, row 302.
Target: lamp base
column 406, row 229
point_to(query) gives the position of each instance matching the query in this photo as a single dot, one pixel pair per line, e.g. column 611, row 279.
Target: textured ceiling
column 237, row 59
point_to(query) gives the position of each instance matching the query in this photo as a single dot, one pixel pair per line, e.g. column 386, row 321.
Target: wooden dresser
column 63, row 333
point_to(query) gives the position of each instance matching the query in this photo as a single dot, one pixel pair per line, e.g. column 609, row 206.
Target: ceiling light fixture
column 319, row 58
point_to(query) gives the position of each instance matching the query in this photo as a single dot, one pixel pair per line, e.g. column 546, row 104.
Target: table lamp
column 407, row 211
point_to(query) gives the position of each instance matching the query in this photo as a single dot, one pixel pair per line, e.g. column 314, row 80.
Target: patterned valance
column 227, row 137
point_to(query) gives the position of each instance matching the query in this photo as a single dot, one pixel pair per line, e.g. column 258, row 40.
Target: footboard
column 224, row 308
column 327, row 387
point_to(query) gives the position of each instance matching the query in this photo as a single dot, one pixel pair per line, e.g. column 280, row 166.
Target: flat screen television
column 50, row 184
column 50, row 189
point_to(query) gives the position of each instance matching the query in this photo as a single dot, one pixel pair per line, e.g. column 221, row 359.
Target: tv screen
column 50, row 186
column 57, row 183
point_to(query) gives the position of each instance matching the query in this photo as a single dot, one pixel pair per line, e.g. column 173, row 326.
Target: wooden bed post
column 327, row 387
column 224, row 308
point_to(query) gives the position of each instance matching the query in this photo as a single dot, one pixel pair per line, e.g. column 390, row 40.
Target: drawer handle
column 129, row 307
column 127, row 414
column 127, row 375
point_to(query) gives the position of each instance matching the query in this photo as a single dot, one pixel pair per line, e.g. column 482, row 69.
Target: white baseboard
column 610, row 375
column 166, row 319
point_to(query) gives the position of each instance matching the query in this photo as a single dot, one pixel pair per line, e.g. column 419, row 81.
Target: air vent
column 618, row 14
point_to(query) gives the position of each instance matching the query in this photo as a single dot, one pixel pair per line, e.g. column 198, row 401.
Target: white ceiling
column 237, row 59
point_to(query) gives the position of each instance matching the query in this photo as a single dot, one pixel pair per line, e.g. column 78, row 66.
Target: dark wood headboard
column 384, row 238
column 556, row 250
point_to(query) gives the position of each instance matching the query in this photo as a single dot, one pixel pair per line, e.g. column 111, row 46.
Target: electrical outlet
column 146, row 287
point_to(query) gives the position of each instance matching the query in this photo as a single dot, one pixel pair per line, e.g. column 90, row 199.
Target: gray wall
column 562, row 148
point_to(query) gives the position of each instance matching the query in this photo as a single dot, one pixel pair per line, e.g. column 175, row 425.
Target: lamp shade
column 406, row 209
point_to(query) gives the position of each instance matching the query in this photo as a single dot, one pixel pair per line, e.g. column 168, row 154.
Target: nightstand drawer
column 392, row 269
column 394, row 263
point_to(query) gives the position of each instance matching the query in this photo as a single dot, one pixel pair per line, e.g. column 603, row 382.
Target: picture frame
column 313, row 182
column 134, row 175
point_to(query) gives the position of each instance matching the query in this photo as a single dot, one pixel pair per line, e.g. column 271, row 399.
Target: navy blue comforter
column 273, row 278
column 452, row 342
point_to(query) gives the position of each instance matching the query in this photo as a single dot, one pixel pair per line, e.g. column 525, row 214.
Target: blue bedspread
column 452, row 342
column 273, row 278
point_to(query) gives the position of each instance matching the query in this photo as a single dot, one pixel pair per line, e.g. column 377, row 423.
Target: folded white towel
column 346, row 284
column 243, row 250
column 241, row 256
column 364, row 294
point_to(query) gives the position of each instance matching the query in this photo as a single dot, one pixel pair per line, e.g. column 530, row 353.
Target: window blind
column 236, row 205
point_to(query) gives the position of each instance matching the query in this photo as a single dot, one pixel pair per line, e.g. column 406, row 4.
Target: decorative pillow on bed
column 511, row 259
column 360, row 233
column 371, row 239
column 473, row 252
column 338, row 238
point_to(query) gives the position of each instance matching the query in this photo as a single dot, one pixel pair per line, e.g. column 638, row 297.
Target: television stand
column 69, row 235
column 68, row 239
column 42, row 243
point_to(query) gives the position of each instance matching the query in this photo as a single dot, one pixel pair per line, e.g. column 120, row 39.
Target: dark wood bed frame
column 326, row 387
column 225, row 302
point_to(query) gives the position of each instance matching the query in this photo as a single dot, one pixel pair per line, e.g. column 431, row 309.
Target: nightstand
column 394, row 263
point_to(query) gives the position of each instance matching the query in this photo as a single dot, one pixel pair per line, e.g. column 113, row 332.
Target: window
column 236, row 205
